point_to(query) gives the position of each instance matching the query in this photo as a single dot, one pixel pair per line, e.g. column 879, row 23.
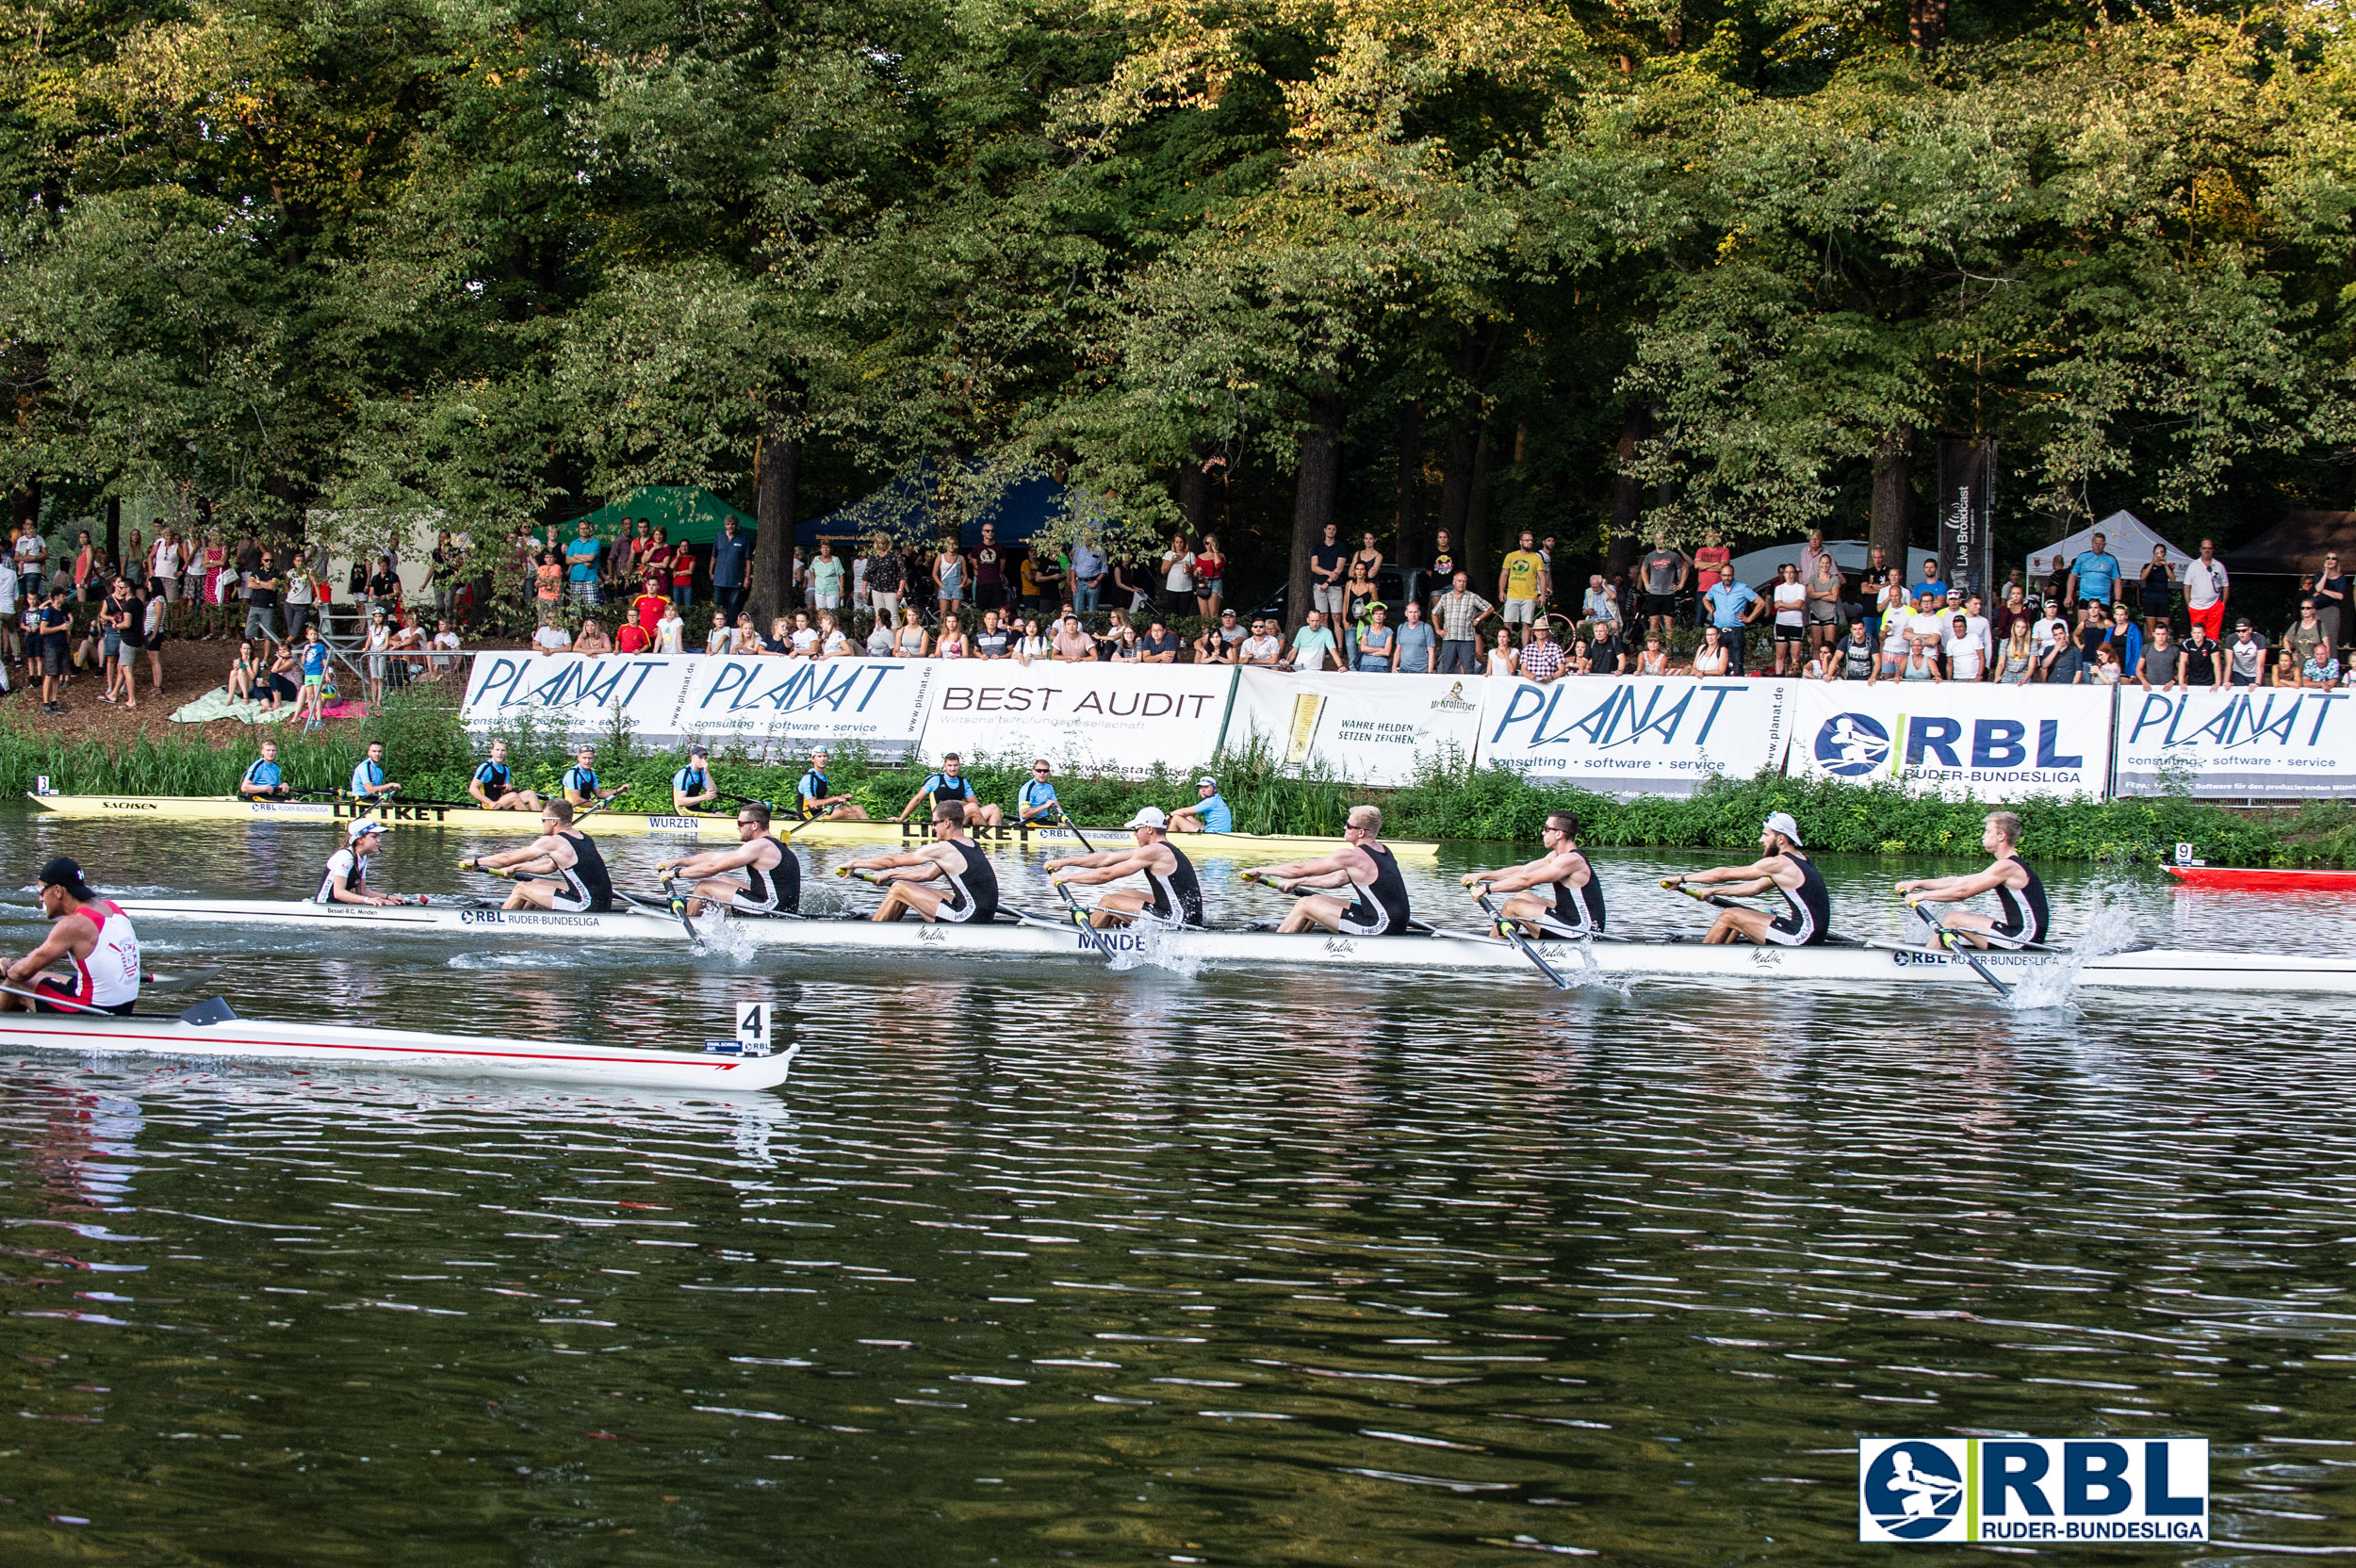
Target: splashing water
column 2111, row 929
column 1151, row 945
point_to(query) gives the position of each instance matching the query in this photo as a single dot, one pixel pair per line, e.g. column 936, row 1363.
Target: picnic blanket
column 218, row 704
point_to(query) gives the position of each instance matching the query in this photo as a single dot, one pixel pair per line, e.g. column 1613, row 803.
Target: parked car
column 1390, row 589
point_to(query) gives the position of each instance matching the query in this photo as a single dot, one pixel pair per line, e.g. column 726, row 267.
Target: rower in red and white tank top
column 91, row 936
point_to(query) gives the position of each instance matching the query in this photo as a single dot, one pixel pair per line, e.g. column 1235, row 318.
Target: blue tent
column 900, row 508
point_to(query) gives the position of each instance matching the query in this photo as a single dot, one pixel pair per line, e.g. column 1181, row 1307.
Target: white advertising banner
column 577, row 694
column 1631, row 735
column 1953, row 738
column 1112, row 719
column 2243, row 742
column 1363, row 728
column 781, row 706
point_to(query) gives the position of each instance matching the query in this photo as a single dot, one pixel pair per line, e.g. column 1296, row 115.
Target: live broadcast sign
column 2037, row 1492
column 1621, row 735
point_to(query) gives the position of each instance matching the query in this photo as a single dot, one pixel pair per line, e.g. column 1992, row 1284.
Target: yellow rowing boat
column 718, row 825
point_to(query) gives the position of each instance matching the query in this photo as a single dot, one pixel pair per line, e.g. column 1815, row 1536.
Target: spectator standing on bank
column 581, row 565
column 1377, row 644
column 1665, row 571
column 990, row 570
column 1313, row 646
column 1087, row 573
column 2094, row 576
column 1732, row 608
column 1443, row 568
column 731, row 559
column 1418, row 645
column 1522, row 581
column 1210, row 577
column 2158, row 592
column 2332, row 589
column 1542, row 656
column 1328, row 563
column 1460, row 613
column 1177, row 576
column 1503, row 661
column 885, row 577
column 1712, row 563
column 2163, row 664
column 949, row 577
column 826, row 577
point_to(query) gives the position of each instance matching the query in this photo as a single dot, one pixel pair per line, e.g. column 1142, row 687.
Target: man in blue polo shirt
column 262, row 779
column 2094, row 575
column 1733, row 605
column 1932, row 583
column 581, row 562
column 730, row 552
column 950, row 783
column 692, row 787
column 1209, row 814
column 1036, row 802
column 368, row 776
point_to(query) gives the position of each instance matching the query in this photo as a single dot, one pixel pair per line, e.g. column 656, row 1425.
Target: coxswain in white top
column 1782, row 868
column 2018, row 891
column 967, row 893
column 1556, row 894
column 345, row 880
column 773, row 873
column 1364, row 864
column 1172, row 894
column 493, row 785
column 92, row 937
column 368, row 776
column 568, row 873
column 692, row 787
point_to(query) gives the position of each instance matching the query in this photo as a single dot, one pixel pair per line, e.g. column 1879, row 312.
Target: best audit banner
column 576, row 693
column 1631, row 734
column 1954, row 737
column 1114, row 719
column 2243, row 742
column 1365, row 729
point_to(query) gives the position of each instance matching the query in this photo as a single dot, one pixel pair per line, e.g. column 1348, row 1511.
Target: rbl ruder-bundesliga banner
column 2245, row 742
column 777, row 706
column 1631, row 734
column 1112, row 719
column 1954, row 739
column 2035, row 1491
column 1374, row 730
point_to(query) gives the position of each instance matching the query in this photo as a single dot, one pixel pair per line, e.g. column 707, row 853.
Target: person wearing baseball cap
column 91, row 936
column 345, row 879
column 692, row 787
column 1172, row 894
column 1782, row 868
column 1209, row 814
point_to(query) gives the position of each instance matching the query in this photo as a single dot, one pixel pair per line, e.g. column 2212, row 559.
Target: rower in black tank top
column 972, row 891
column 1580, row 909
column 777, row 890
column 2025, row 917
column 1178, row 896
column 1380, row 909
column 591, row 888
column 1810, row 920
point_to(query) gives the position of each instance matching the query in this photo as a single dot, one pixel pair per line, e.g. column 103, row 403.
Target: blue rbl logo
column 1852, row 745
column 2050, row 1490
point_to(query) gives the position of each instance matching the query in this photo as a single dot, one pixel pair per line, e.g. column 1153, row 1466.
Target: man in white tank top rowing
column 1171, row 894
column 1556, row 894
column 969, row 891
column 91, row 936
column 1378, row 902
column 773, row 873
column 569, row 874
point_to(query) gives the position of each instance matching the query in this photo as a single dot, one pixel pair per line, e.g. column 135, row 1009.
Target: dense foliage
column 1686, row 263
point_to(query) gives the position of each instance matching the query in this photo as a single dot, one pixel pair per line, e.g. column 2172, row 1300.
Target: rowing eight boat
column 244, row 1039
column 2246, row 879
column 1670, row 959
column 722, row 825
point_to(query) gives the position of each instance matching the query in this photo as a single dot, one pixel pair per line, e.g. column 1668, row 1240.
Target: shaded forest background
column 1588, row 268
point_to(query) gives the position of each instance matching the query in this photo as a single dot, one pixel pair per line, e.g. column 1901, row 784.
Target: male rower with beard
column 970, row 894
column 345, row 880
column 1378, row 904
column 493, row 785
column 1173, row 895
column 572, row 878
column 1782, row 868
column 90, row 934
column 1556, row 894
column 2016, row 887
column 773, row 873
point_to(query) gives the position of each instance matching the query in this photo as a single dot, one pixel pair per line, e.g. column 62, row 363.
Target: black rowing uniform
column 1381, row 908
column 1810, row 921
column 1577, row 911
column 777, row 888
column 972, row 891
column 1178, row 896
column 588, row 889
column 496, row 778
column 2022, row 924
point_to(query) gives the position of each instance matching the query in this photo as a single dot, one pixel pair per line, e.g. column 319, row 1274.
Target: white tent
column 2124, row 536
column 1759, row 566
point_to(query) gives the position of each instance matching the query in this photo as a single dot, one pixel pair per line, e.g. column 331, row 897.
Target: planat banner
column 1114, row 719
column 780, row 707
column 1954, row 737
column 579, row 694
column 1365, row 729
column 1631, row 735
column 2249, row 742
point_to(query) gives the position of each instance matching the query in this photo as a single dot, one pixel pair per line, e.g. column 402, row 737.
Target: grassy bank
column 429, row 752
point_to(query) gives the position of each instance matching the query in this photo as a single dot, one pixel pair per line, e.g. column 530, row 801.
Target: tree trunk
column 1316, row 488
column 1926, row 23
column 1894, row 487
column 1478, row 557
column 1194, row 497
column 1407, row 533
column 775, row 494
column 1627, row 498
column 114, row 529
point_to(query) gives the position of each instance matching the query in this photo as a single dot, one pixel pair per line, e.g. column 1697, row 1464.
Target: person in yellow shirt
column 1522, row 582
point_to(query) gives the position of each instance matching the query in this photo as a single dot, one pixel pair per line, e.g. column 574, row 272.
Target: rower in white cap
column 1171, row 895
column 346, row 877
column 1782, row 868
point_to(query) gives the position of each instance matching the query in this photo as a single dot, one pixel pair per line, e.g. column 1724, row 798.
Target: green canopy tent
column 683, row 512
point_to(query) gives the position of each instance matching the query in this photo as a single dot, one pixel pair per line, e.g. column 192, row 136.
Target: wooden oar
column 1954, row 944
column 1521, row 944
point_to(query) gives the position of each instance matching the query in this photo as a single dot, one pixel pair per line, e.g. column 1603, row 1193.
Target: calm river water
column 1036, row 1264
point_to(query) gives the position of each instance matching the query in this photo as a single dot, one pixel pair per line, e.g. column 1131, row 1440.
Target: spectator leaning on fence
column 1418, row 647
